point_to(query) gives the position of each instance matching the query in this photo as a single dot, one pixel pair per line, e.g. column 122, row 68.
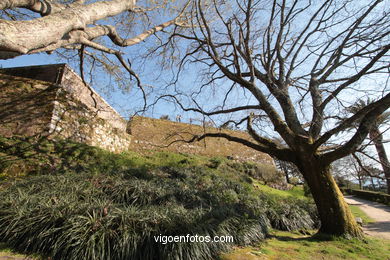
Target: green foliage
column 291, row 213
column 215, row 162
column 21, row 156
column 357, row 212
column 89, row 216
column 263, row 172
column 295, row 191
column 293, row 245
column 80, row 202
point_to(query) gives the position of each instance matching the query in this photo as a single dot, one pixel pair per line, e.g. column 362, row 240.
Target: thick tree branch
column 16, row 37
column 42, row 7
column 362, row 131
column 368, row 173
column 356, row 117
column 282, row 154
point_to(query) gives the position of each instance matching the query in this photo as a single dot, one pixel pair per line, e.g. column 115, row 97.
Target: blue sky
column 117, row 99
column 125, row 102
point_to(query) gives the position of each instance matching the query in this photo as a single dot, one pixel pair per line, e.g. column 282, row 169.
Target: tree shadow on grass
column 32, row 155
column 302, row 236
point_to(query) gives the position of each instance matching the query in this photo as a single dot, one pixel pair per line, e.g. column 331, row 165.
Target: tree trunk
column 335, row 215
column 373, row 184
column 377, row 138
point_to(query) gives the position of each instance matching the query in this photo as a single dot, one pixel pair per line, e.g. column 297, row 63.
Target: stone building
column 53, row 101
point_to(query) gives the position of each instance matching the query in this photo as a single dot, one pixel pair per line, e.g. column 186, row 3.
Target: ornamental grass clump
column 88, row 216
column 291, row 214
column 80, row 202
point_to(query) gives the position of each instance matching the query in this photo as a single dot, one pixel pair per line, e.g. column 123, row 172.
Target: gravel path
column 378, row 212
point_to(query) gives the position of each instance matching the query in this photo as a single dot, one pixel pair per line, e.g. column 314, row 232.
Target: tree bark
column 377, row 138
column 335, row 215
column 23, row 37
column 373, row 184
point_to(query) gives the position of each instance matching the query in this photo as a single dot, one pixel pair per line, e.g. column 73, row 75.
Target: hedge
column 369, row 195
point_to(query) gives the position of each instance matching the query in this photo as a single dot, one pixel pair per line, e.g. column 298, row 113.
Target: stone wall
column 75, row 120
column 61, row 108
column 25, row 106
column 158, row 134
column 72, row 83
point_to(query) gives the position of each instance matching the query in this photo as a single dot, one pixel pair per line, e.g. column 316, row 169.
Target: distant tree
column 354, row 168
column 164, row 117
column 375, row 135
column 289, row 170
column 288, row 66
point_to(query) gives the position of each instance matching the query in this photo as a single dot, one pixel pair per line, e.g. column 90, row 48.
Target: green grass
column 357, row 212
column 23, row 156
column 296, row 191
column 292, row 246
column 72, row 201
column 5, row 251
column 78, row 216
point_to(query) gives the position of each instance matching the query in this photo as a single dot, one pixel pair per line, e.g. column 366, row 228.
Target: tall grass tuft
column 97, row 205
column 89, row 216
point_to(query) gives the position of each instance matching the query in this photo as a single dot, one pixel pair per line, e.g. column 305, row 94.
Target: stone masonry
column 53, row 101
column 57, row 104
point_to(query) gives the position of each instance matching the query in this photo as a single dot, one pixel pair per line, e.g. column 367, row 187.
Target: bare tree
column 289, row 170
column 91, row 34
column 289, row 67
column 376, row 137
column 358, row 167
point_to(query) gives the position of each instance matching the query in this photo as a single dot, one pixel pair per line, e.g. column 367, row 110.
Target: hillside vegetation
column 71, row 201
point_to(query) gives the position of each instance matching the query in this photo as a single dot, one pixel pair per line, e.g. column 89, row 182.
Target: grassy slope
column 20, row 158
column 292, row 246
column 296, row 191
column 26, row 156
column 61, row 184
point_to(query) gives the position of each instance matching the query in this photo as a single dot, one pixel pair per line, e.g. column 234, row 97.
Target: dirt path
column 378, row 212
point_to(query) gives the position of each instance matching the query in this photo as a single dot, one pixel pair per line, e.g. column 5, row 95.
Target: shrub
column 215, row 162
column 262, row 172
column 91, row 204
column 369, row 195
column 289, row 214
column 103, row 216
column 87, row 216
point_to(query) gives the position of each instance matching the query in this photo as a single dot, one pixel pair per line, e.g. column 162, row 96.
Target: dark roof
column 50, row 73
